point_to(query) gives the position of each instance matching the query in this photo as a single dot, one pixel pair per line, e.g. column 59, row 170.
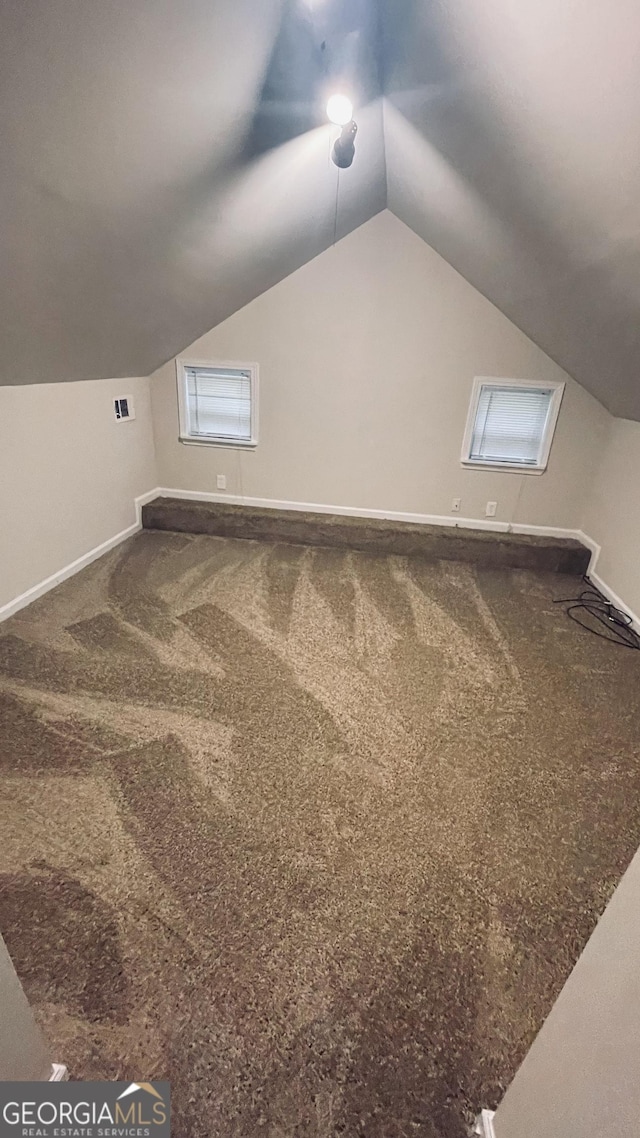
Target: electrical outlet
column 221, row 482
column 490, row 511
column 455, row 505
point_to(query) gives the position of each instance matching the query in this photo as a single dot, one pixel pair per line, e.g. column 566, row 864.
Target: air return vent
column 123, row 408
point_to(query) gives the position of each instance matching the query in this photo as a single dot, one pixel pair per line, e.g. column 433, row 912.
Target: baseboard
column 484, row 1124
column 590, row 544
column 489, row 524
column 142, row 500
column 614, row 598
column 32, row 594
column 600, row 583
column 549, row 531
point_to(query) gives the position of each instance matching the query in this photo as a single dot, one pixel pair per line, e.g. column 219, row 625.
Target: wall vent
column 124, row 408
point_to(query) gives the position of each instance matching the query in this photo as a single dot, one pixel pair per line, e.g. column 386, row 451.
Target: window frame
column 182, row 363
column 480, row 381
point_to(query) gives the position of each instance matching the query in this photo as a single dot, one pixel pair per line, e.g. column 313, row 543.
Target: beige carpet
column 316, row 835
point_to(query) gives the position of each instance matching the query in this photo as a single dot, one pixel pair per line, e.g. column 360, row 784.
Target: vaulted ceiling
column 163, row 163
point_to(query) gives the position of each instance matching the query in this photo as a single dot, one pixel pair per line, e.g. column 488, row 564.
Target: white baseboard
column 592, row 572
column 59, row 1073
column 38, row 590
column 547, row 531
column 614, row 598
column 590, row 543
column 142, row 500
column 484, row 1124
column 489, row 524
column 600, row 583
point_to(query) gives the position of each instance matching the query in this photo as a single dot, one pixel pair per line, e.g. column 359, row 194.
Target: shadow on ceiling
column 322, row 45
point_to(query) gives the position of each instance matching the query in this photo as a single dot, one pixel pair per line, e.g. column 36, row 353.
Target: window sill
column 228, row 444
column 506, row 467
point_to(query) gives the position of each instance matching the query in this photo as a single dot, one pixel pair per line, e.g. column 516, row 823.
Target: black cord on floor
column 591, row 605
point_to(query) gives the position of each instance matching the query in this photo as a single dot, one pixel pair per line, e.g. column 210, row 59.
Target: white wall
column 581, row 1077
column 367, row 355
column 68, row 474
column 612, row 512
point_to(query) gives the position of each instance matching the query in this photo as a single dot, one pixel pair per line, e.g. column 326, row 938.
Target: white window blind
column 510, row 424
column 218, row 403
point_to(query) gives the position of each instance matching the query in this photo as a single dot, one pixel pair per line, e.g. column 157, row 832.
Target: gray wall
column 162, row 164
column 23, row 1051
column 581, row 1078
column 512, row 148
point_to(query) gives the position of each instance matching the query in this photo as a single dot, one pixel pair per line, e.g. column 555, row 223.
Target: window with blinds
column 217, row 403
column 511, row 424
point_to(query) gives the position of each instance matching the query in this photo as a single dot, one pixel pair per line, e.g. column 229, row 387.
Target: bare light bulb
column 339, row 110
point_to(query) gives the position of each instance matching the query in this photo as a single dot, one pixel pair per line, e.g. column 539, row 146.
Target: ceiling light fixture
column 344, row 148
column 339, row 110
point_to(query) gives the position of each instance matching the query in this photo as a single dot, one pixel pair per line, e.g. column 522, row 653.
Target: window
column 218, row 403
column 511, row 424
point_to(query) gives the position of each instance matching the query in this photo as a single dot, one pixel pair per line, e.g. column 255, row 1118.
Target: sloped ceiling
column 513, row 147
column 163, row 163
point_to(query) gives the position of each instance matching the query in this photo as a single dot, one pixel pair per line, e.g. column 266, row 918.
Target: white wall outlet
column 221, row 482
column 490, row 511
column 455, row 505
